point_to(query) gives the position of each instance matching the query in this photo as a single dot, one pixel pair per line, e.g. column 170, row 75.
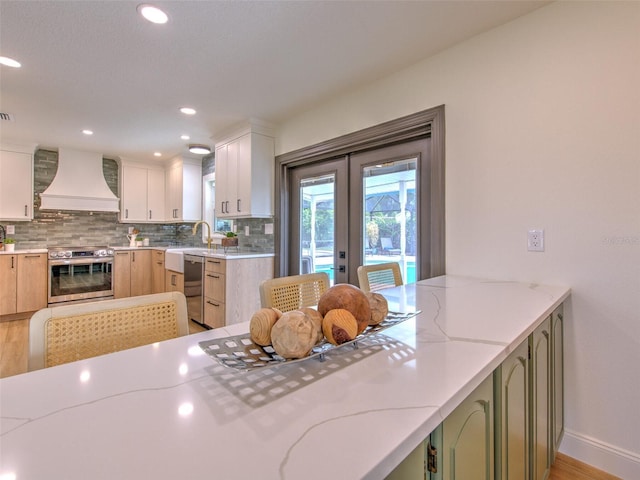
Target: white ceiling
column 99, row 65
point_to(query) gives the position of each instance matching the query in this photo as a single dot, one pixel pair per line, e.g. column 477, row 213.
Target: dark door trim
column 428, row 123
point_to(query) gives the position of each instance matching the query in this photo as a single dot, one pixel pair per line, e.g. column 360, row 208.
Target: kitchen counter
column 203, row 252
column 168, row 411
column 26, row 250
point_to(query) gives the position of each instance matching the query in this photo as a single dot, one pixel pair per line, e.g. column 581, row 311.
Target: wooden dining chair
column 68, row 333
column 381, row 275
column 293, row 292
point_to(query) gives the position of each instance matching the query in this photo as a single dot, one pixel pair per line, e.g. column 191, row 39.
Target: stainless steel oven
column 79, row 274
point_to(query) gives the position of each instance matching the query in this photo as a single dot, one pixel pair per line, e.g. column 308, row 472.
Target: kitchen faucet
column 195, row 227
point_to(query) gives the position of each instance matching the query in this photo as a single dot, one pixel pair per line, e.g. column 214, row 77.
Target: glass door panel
column 319, row 213
column 390, row 208
column 317, row 197
column 390, row 215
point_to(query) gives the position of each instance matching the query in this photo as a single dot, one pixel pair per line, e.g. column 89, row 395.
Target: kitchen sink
column 174, row 260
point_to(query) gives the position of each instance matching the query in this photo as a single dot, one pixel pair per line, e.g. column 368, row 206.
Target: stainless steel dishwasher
column 193, row 287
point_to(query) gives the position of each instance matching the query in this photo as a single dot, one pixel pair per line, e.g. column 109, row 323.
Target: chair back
column 381, row 275
column 293, row 292
column 68, row 333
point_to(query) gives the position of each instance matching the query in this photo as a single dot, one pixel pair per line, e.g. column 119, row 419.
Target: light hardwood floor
column 567, row 468
column 14, row 345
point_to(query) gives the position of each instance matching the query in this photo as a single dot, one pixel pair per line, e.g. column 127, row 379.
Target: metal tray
column 241, row 353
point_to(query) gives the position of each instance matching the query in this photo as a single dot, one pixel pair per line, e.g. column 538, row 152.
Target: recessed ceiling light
column 153, row 14
column 199, row 149
column 87, row 132
column 188, row 110
column 185, row 137
column 157, row 154
column 10, row 62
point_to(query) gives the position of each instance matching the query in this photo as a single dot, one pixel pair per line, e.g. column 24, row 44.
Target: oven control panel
column 80, row 253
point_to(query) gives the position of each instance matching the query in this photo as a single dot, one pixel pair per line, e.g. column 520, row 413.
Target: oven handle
column 76, row 261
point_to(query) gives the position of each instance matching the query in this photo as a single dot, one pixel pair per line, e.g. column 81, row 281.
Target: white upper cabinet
column 244, row 175
column 142, row 192
column 184, row 190
column 16, row 183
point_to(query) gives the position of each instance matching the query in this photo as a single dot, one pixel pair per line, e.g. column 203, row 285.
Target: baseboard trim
column 614, row 460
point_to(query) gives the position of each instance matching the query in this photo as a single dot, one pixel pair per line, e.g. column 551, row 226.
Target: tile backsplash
column 75, row 228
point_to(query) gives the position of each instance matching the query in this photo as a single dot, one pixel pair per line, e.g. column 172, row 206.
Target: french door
column 359, row 209
column 369, row 196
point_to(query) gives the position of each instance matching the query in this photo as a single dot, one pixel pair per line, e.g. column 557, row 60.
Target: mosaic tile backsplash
column 75, row 228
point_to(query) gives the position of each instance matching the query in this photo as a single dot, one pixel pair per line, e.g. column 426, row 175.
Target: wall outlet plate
column 11, row 229
column 535, row 240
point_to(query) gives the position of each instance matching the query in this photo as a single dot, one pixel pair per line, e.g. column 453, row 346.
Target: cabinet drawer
column 214, row 286
column 215, row 265
column 214, row 313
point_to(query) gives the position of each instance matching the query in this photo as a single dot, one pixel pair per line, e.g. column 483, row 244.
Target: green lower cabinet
column 412, row 467
column 512, row 415
column 462, row 444
column 540, row 414
column 510, row 427
column 557, row 379
column 529, row 399
column 466, row 443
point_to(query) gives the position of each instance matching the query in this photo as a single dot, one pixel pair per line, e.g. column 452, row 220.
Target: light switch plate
column 11, row 229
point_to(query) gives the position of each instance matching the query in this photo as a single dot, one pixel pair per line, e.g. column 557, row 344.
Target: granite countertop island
column 167, row 410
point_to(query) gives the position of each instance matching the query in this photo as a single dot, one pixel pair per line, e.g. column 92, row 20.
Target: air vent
column 6, row 116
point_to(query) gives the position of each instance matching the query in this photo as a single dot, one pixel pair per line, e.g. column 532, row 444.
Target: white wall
column 543, row 130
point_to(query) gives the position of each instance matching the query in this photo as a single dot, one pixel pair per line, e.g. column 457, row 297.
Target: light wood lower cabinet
column 174, row 281
column 9, row 285
column 132, row 273
column 157, row 271
column 232, row 289
column 23, row 286
column 214, row 292
column 524, row 408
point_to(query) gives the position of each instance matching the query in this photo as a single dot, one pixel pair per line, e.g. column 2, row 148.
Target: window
column 208, row 208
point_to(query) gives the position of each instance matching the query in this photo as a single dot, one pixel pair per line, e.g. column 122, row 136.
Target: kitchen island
column 168, row 411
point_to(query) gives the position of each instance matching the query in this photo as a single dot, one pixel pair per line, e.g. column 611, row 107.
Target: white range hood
column 79, row 184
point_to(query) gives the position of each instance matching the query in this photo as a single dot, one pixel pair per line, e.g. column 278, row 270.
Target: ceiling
column 99, row 65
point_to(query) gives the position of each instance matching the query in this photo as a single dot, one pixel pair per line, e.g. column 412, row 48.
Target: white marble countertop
column 168, row 411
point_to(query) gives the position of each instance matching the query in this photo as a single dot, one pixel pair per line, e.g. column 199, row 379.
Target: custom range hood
column 79, row 184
